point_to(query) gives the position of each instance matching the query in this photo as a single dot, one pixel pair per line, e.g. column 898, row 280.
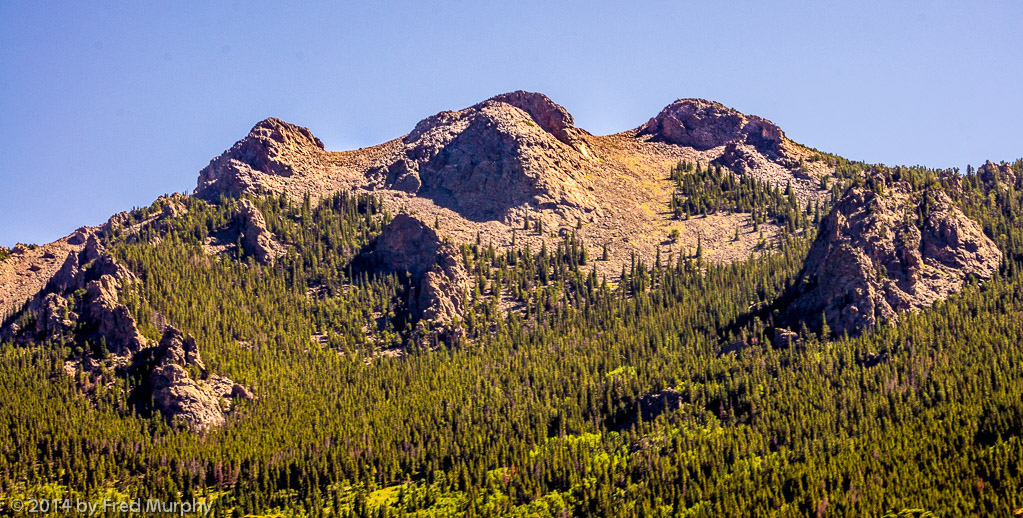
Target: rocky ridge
column 882, row 253
column 29, row 268
column 486, row 169
column 81, row 303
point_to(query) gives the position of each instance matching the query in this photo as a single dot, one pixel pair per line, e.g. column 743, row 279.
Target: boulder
column 551, row 117
column 648, row 407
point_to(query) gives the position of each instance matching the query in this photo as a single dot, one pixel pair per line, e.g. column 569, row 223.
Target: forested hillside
column 659, row 392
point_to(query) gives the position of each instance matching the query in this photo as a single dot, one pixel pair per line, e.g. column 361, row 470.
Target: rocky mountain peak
column 277, row 130
column 512, row 150
column 272, row 148
column 883, row 252
column 551, row 117
column 703, row 125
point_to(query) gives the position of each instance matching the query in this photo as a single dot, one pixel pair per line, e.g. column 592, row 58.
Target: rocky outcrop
column 703, row 125
column 1001, row 174
column 81, row 305
column 273, row 148
column 170, row 389
column 443, row 290
column 256, row 238
column 517, row 149
column 407, row 245
column 439, row 280
column 82, row 302
column 784, row 338
column 28, row 269
column 174, row 206
column 878, row 254
column 551, row 117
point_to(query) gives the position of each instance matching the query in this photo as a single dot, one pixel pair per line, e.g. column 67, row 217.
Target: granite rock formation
column 882, row 253
column 82, row 300
column 171, row 390
column 439, row 280
column 257, row 239
column 703, row 124
column 513, row 149
column 272, row 148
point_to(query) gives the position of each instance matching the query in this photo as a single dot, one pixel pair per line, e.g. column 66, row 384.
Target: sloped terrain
column 28, row 269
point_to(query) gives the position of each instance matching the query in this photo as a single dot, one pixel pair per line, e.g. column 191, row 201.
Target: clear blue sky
column 106, row 107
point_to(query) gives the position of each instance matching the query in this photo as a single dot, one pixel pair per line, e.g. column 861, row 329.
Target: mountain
column 502, row 314
column 488, row 168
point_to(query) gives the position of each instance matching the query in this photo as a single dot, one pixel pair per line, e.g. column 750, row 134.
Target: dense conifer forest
column 538, row 406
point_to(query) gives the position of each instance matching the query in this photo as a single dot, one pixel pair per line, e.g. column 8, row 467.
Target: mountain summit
column 518, row 158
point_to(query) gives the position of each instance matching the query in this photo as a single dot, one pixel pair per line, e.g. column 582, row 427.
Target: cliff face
column 879, row 254
column 514, row 149
column 439, row 281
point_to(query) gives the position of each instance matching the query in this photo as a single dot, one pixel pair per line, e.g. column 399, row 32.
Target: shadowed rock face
column 703, row 125
column 174, row 393
column 514, row 149
column 439, row 279
column 881, row 254
column 256, row 237
column 273, row 147
column 407, row 245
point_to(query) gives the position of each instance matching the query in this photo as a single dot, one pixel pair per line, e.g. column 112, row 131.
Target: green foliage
column 520, row 415
column 712, row 190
